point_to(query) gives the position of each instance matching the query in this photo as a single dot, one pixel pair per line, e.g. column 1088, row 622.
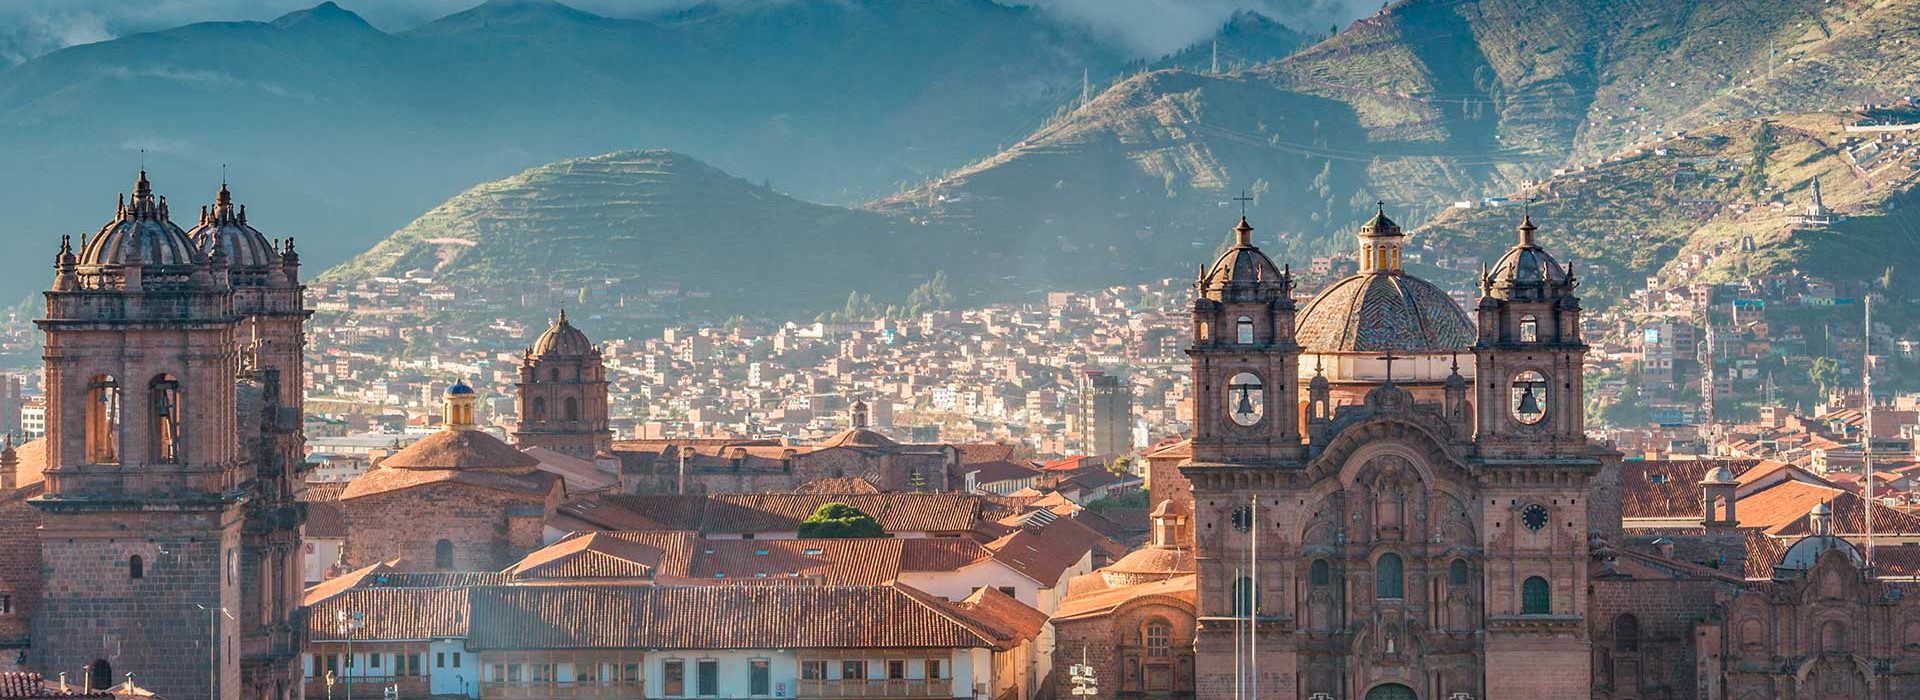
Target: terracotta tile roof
column 593, row 555
column 783, row 512
column 675, row 547
column 985, row 452
column 837, row 562
column 1097, row 603
column 534, row 485
column 1777, row 507
column 1849, row 518
column 391, row 614
column 1171, row 448
column 321, row 491
column 1045, row 553
column 716, row 617
column 21, row 684
column 845, row 484
column 325, row 519
column 460, row 449
column 1658, row 488
column 940, row 554
column 1001, row 470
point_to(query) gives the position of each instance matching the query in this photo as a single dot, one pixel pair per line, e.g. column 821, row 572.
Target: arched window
column 136, row 567
column 1529, row 397
column 1535, row 597
column 1246, row 399
column 103, row 420
column 1245, row 326
column 539, row 409
column 1457, row 573
column 1159, row 639
column 553, row 375
column 443, row 554
column 1244, row 596
column 163, row 396
column 1626, row 632
column 573, row 408
column 1320, row 574
column 1529, row 329
column 1390, row 579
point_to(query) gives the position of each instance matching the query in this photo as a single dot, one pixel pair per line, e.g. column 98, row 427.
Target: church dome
column 1242, row 267
column 859, row 437
column 1526, row 263
column 224, row 226
column 459, row 388
column 561, row 338
column 140, row 225
column 1379, row 312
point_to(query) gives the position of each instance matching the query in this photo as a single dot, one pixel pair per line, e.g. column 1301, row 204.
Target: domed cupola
column 561, row 340
column 1243, row 272
column 141, row 234
column 1527, row 271
column 224, row 226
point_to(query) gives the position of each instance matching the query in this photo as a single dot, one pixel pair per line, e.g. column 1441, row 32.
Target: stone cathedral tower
column 272, row 314
column 563, row 394
column 146, row 480
column 1415, row 532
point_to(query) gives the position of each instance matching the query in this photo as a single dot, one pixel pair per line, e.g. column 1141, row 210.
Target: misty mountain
column 652, row 218
column 339, row 133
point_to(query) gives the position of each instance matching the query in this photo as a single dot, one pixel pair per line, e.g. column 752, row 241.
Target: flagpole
column 1239, row 676
column 1866, row 433
column 1253, row 609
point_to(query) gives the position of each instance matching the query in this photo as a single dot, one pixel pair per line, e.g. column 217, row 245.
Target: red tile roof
column 1103, row 601
column 391, row 614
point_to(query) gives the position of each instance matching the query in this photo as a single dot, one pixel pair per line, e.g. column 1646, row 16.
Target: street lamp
column 213, row 652
column 349, row 622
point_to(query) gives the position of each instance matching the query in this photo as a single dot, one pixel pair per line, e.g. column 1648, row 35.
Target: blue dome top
column 459, row 388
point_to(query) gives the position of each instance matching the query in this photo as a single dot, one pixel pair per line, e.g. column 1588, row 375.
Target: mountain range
column 958, row 135
column 340, row 133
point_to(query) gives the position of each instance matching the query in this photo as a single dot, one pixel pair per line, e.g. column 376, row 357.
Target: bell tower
column 1245, row 362
column 1538, row 475
column 563, row 394
column 145, row 479
column 269, row 304
column 1529, row 356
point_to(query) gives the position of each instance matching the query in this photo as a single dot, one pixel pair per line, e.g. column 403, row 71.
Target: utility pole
column 1216, row 57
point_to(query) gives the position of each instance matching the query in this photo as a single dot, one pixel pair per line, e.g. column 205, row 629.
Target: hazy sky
column 1150, row 28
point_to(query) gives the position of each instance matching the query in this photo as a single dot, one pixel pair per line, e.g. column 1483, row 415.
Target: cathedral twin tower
column 170, row 532
column 1372, row 519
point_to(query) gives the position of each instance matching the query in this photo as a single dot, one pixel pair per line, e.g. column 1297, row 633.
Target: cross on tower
column 1389, row 357
column 1243, row 199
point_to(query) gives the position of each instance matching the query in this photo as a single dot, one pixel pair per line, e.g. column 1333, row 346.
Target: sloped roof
column 783, row 512
column 460, row 449
column 715, row 617
column 1104, row 601
column 1375, row 312
column 533, row 485
column 391, row 614
column 593, row 555
column 845, row 484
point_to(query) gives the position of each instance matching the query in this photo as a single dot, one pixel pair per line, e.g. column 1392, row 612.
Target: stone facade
column 485, row 530
column 1405, row 545
column 159, row 478
column 562, row 394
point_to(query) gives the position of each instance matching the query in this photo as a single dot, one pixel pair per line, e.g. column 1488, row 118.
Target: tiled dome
column 140, row 225
column 225, row 226
column 1527, row 263
column 1380, row 312
column 1242, row 268
column 561, row 338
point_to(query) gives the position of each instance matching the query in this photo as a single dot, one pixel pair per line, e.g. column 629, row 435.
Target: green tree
column 1825, row 373
column 1121, row 466
column 839, row 520
column 1628, row 411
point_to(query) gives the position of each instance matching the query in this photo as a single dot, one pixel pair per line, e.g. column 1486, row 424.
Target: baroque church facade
column 1403, row 541
column 160, row 511
column 1391, row 499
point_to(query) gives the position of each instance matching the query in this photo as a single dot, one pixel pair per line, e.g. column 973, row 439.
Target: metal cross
column 1243, row 199
column 1389, row 357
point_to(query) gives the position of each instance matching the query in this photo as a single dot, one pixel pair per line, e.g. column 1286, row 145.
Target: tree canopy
column 839, row 520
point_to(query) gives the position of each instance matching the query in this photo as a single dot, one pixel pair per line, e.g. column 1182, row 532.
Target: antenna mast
column 1216, row 56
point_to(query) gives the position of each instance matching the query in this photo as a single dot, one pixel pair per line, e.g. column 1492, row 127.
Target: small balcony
column 368, row 687
column 561, row 689
column 877, row 688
